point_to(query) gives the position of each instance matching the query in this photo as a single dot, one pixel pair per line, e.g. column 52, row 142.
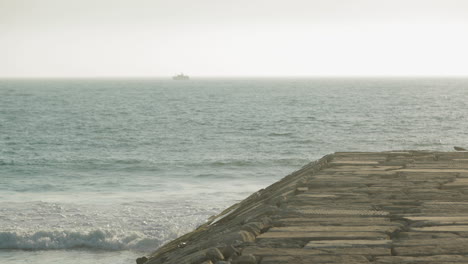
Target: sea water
column 108, row 170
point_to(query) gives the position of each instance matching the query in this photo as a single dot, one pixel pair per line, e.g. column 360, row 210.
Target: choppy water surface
column 106, row 170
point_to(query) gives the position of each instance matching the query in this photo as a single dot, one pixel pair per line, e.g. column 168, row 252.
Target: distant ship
column 180, row 77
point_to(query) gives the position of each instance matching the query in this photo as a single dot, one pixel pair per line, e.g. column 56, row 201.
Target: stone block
column 322, row 235
column 245, row 259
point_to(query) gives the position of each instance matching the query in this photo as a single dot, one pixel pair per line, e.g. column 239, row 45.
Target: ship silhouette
column 180, row 77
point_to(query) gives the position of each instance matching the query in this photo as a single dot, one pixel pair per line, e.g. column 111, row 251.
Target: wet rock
column 196, row 257
column 141, row 260
column 459, row 148
column 214, row 254
column 258, row 211
column 182, row 245
column 229, row 252
column 267, row 223
column 277, row 201
column 254, row 227
column 248, row 259
column 238, row 238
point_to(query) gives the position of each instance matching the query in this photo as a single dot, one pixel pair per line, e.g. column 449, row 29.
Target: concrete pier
column 360, row 207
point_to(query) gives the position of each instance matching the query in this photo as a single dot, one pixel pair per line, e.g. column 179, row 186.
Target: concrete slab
column 314, row 259
column 440, row 219
column 435, row 259
column 348, row 243
column 450, row 228
column 262, row 251
column 382, row 229
column 323, row 235
column 342, row 212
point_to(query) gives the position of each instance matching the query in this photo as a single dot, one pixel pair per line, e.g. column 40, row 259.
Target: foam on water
column 67, row 256
column 105, row 226
column 62, row 239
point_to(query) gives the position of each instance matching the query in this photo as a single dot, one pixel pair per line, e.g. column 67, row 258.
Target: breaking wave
column 97, row 239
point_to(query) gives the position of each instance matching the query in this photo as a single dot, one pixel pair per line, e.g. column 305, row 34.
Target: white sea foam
column 98, row 239
column 133, row 225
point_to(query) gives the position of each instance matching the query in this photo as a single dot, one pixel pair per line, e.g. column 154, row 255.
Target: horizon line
column 415, row 76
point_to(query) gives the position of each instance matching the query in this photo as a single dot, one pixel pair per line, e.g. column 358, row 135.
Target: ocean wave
column 97, row 239
column 279, row 134
column 128, row 161
column 38, row 187
column 250, row 163
column 6, row 163
column 234, row 163
column 290, row 162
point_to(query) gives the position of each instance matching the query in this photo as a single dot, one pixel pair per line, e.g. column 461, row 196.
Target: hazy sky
column 70, row 38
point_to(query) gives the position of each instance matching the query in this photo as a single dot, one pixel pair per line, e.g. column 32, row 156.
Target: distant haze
column 154, row 38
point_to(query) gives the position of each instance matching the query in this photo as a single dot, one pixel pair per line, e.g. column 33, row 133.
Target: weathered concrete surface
column 362, row 207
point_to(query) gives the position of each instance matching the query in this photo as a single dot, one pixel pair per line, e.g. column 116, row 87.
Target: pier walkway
column 360, row 207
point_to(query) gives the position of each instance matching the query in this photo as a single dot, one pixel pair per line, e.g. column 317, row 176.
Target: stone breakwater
column 360, row 207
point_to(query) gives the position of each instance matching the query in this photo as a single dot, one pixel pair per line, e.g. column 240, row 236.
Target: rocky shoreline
column 360, row 207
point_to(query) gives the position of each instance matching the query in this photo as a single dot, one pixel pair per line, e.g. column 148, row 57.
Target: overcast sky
column 132, row 38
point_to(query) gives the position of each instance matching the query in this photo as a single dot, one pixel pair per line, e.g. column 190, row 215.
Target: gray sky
column 131, row 38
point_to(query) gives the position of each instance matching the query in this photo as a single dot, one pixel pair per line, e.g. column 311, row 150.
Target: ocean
column 107, row 170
